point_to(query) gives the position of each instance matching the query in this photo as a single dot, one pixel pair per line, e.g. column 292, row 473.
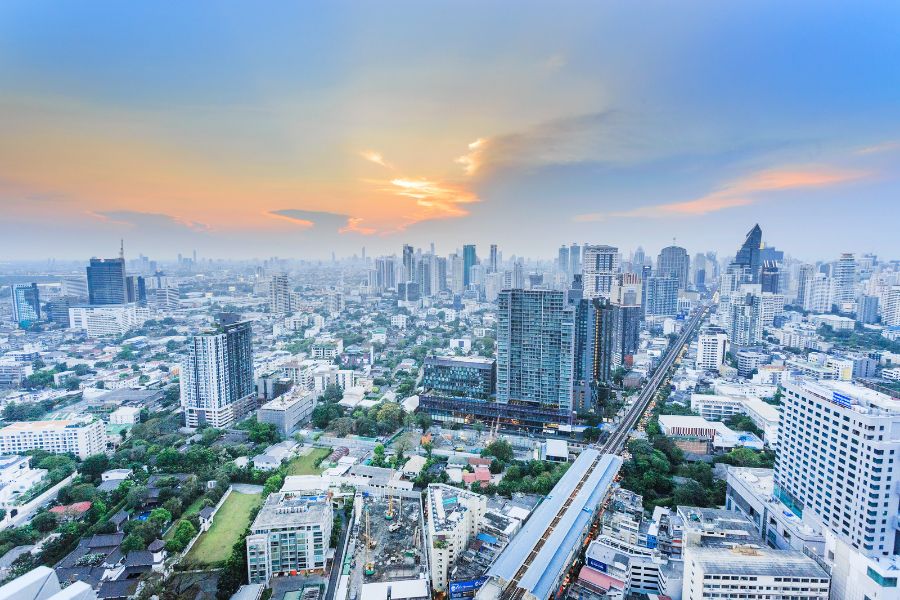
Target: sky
column 298, row 129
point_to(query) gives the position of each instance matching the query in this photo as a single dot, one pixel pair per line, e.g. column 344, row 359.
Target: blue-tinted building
column 26, row 303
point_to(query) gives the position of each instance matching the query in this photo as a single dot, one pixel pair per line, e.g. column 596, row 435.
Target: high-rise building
column 839, row 444
column 75, row 287
column 563, row 261
column 574, row 259
column 743, row 323
column 217, row 385
column 136, row 289
column 469, row 260
column 626, row 289
column 626, row 333
column 599, row 269
column 844, row 276
column 638, row 260
column 457, row 274
column 748, row 256
column 409, row 259
column 81, row 436
column 385, row 274
column 594, row 336
column 408, row 291
column 661, row 296
column 535, row 351
column 867, row 309
column 423, row 276
column 673, row 261
column 890, row 314
column 818, row 297
column 439, row 275
column 280, row 300
column 493, row 264
column 106, row 281
column 26, row 303
column 712, row 348
column 769, row 276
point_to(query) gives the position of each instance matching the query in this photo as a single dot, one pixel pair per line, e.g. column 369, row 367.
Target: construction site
column 386, row 551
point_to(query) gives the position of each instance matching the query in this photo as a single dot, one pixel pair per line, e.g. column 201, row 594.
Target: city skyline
column 319, row 129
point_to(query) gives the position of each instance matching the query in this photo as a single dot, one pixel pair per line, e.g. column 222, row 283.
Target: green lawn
column 214, row 546
column 306, row 465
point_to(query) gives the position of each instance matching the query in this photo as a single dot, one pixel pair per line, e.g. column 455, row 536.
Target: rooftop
column 286, row 509
column 758, row 561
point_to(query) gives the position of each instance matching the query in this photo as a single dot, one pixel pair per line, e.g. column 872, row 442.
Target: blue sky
column 295, row 129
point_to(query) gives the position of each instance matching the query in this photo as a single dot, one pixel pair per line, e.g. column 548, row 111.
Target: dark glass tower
column 468, row 263
column 106, row 281
column 748, row 257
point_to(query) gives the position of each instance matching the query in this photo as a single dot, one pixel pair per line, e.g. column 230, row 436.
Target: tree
column 93, row 466
column 44, row 522
column 136, row 496
column 499, row 449
column 423, row 421
column 690, row 493
column 132, row 543
column 273, row 484
column 182, row 536
column 160, row 516
column 378, row 459
column 342, row 426
column 390, row 417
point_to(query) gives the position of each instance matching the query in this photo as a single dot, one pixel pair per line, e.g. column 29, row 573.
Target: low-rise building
column 288, row 411
column 125, row 415
column 108, row 319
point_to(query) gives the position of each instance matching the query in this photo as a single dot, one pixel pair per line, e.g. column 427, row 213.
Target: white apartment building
column 840, row 444
column 108, row 319
column 770, row 306
column 714, row 407
column 818, row 293
column 453, row 517
column 82, row 437
column 287, row 411
column 712, row 348
column 890, row 313
column 327, row 348
column 280, row 294
column 290, row 535
column 724, row 558
column 600, row 265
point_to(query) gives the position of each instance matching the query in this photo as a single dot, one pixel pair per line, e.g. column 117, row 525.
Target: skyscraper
column 408, row 263
column 661, row 296
column 574, row 259
column 217, row 385
column 469, row 260
column 562, row 262
column 280, row 301
column 26, row 303
column 673, row 261
column 423, row 276
column 744, row 319
column 601, row 264
column 844, row 276
column 747, row 258
column 492, row 265
column 106, row 281
column 535, row 352
column 769, row 276
column 136, row 289
column 594, row 335
column 837, row 457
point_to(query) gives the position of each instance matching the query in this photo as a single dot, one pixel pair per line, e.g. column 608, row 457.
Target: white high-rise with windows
column 890, row 314
column 839, row 445
column 845, row 278
column 712, row 348
column 280, row 294
column 600, row 264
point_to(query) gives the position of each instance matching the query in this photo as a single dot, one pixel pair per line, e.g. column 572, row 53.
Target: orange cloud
column 742, row 192
column 472, row 160
column 377, row 158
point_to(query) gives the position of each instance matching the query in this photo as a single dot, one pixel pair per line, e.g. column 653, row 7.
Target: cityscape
column 449, row 301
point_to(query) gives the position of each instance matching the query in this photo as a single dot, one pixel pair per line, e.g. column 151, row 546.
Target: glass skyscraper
column 535, row 349
column 468, row 262
column 26, row 303
column 106, row 281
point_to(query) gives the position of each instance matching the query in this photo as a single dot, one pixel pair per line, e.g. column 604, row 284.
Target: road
column 25, row 512
column 615, row 444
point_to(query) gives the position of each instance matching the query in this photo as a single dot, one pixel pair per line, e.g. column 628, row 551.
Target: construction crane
column 389, row 515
